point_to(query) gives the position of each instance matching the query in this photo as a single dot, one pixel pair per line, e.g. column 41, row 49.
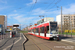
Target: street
column 35, row 43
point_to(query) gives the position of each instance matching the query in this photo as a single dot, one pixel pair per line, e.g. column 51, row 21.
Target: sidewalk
column 4, row 36
column 4, row 39
column 67, row 38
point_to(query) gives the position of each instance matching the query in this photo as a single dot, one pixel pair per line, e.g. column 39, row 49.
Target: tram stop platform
column 67, row 38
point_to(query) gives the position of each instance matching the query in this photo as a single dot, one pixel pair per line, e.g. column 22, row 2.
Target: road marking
column 14, row 43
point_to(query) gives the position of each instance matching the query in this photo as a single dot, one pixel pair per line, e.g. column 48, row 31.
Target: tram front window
column 53, row 26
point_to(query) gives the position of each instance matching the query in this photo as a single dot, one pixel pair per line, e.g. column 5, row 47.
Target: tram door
column 45, row 31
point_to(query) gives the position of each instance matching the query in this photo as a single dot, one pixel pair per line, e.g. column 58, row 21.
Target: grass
column 23, row 31
column 68, row 33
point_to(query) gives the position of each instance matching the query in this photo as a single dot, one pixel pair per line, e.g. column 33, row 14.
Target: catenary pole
column 61, row 20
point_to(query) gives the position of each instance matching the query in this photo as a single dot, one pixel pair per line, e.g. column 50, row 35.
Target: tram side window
column 47, row 29
column 32, row 30
column 29, row 30
column 42, row 30
column 36, row 30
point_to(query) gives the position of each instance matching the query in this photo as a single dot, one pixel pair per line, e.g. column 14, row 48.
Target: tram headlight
column 57, row 35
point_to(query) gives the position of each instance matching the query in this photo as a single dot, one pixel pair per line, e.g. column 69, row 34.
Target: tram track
column 26, row 41
column 37, row 45
column 33, row 42
column 40, row 44
column 59, row 42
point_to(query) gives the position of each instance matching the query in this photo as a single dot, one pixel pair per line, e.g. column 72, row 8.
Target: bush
column 69, row 31
column 66, row 31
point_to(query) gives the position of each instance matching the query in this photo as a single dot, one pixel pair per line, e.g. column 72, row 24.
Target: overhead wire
column 32, row 8
column 50, row 4
column 52, row 7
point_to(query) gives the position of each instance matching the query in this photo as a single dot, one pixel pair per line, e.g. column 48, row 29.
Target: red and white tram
column 46, row 30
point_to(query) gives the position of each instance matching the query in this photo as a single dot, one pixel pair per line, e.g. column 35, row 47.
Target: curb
column 24, row 41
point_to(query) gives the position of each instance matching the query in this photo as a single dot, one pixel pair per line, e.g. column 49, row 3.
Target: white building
column 68, row 21
column 58, row 19
column 46, row 19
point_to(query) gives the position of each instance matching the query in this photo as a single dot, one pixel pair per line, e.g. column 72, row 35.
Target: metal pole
column 20, row 26
column 71, row 26
column 3, row 31
column 61, row 20
column 43, row 18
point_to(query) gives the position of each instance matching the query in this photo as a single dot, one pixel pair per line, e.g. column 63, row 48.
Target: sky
column 26, row 12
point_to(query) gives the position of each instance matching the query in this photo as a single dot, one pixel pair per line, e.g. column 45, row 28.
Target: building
column 1, row 29
column 9, row 28
column 3, row 21
column 68, row 22
column 47, row 19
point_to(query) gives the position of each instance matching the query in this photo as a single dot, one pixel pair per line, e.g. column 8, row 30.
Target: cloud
column 15, row 11
column 40, row 11
column 9, row 24
column 3, row 8
column 65, row 10
column 70, row 10
column 3, row 1
column 22, row 18
column 33, row 2
column 12, row 15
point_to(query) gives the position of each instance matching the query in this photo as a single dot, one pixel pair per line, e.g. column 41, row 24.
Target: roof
column 9, row 26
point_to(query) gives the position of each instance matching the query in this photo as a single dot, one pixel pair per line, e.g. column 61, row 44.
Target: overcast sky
column 25, row 12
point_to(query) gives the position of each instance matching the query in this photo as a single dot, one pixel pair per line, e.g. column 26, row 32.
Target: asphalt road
column 35, row 43
column 15, row 43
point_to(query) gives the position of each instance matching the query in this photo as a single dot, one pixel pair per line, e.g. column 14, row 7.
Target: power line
column 53, row 6
column 49, row 4
column 33, row 7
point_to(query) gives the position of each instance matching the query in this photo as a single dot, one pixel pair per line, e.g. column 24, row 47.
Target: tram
column 48, row 30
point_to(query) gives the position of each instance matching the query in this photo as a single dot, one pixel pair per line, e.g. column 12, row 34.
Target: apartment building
column 3, row 21
column 68, row 21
